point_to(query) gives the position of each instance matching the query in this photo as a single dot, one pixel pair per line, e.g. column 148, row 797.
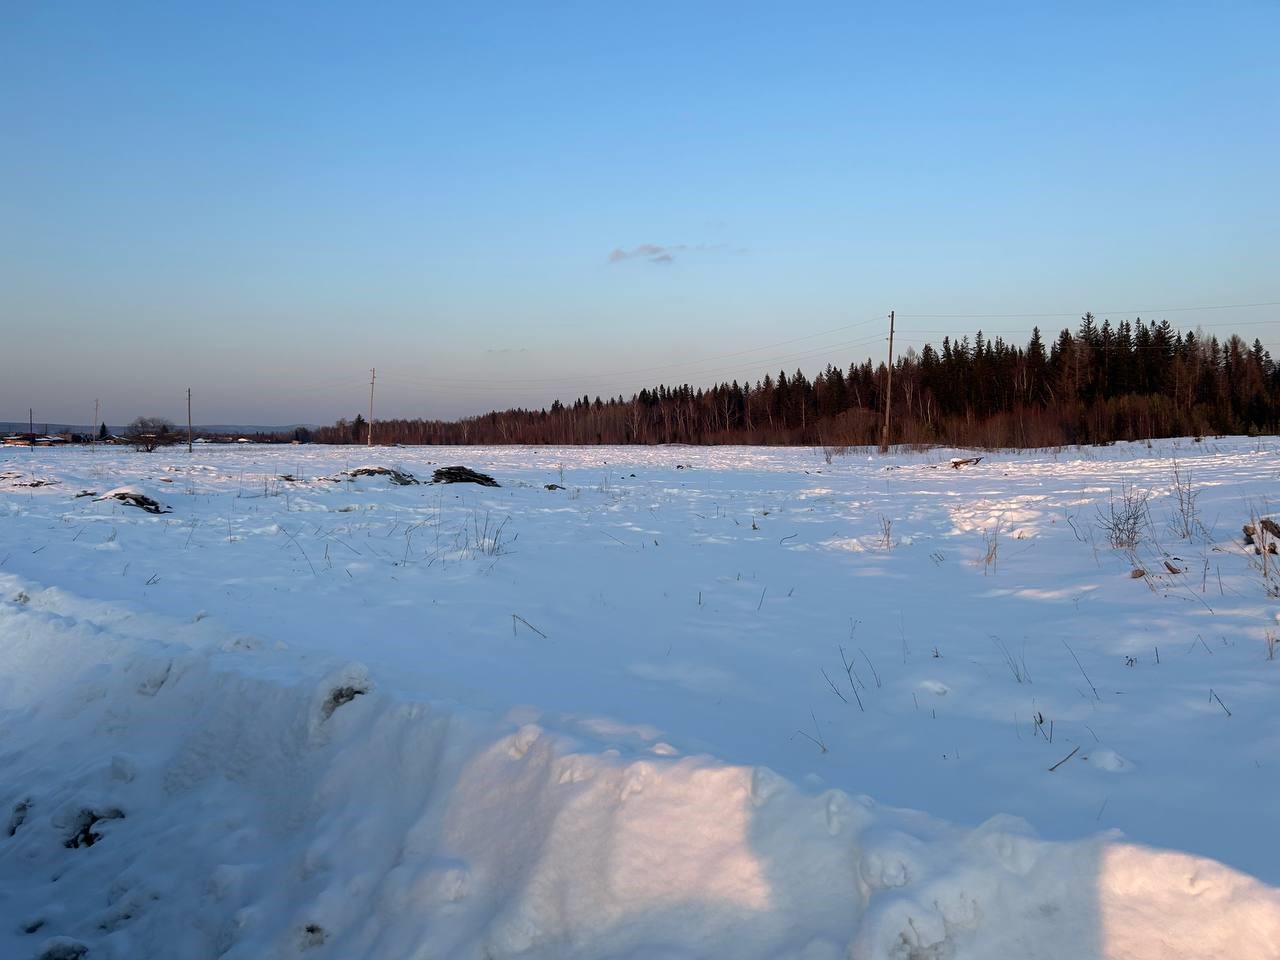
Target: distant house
column 32, row 440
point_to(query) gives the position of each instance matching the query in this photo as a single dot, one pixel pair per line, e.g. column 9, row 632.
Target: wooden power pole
column 888, row 391
column 373, row 375
column 188, row 419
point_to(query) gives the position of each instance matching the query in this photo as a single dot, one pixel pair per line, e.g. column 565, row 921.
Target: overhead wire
column 1024, row 330
column 656, row 368
column 1075, row 313
column 587, row 378
column 678, row 368
column 678, row 371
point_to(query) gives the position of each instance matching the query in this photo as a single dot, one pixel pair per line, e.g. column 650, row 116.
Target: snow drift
column 236, row 800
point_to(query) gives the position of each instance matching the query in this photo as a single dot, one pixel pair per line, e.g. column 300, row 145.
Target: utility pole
column 888, row 391
column 373, row 375
column 93, row 430
column 31, row 425
column 188, row 419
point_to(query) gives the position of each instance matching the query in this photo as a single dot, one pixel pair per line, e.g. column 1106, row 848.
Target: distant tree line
column 148, row 433
column 1098, row 384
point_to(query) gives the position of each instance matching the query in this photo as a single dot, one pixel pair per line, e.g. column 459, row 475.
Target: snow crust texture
column 179, row 783
column 232, row 813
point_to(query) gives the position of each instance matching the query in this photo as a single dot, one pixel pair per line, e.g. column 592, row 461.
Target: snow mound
column 134, row 497
column 246, row 803
column 402, row 478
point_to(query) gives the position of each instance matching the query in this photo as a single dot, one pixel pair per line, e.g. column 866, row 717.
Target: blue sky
column 262, row 201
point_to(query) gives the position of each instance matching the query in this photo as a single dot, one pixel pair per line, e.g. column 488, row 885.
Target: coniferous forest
column 1099, row 384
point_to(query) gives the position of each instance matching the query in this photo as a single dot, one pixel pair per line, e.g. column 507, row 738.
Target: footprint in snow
column 313, row 935
column 61, row 948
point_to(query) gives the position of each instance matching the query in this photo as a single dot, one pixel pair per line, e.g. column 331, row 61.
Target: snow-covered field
column 725, row 702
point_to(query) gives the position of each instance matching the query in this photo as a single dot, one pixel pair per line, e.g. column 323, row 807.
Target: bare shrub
column 886, row 532
column 1186, row 517
column 991, row 553
column 1125, row 517
column 147, row 433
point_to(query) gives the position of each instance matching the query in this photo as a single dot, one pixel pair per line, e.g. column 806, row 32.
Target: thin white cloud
column 652, row 252
column 662, row 254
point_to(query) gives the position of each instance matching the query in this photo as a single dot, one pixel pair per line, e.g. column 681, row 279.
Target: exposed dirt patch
column 83, row 833
column 337, row 697
column 399, row 477
column 135, row 498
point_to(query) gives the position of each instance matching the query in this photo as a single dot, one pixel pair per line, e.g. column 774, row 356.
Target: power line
column 678, row 368
column 1219, row 323
column 600, row 376
column 888, row 390
column 588, row 381
column 1076, row 313
column 911, row 335
column 487, row 384
column 657, row 367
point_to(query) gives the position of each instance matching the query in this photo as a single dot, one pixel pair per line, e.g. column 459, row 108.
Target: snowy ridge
column 253, row 802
